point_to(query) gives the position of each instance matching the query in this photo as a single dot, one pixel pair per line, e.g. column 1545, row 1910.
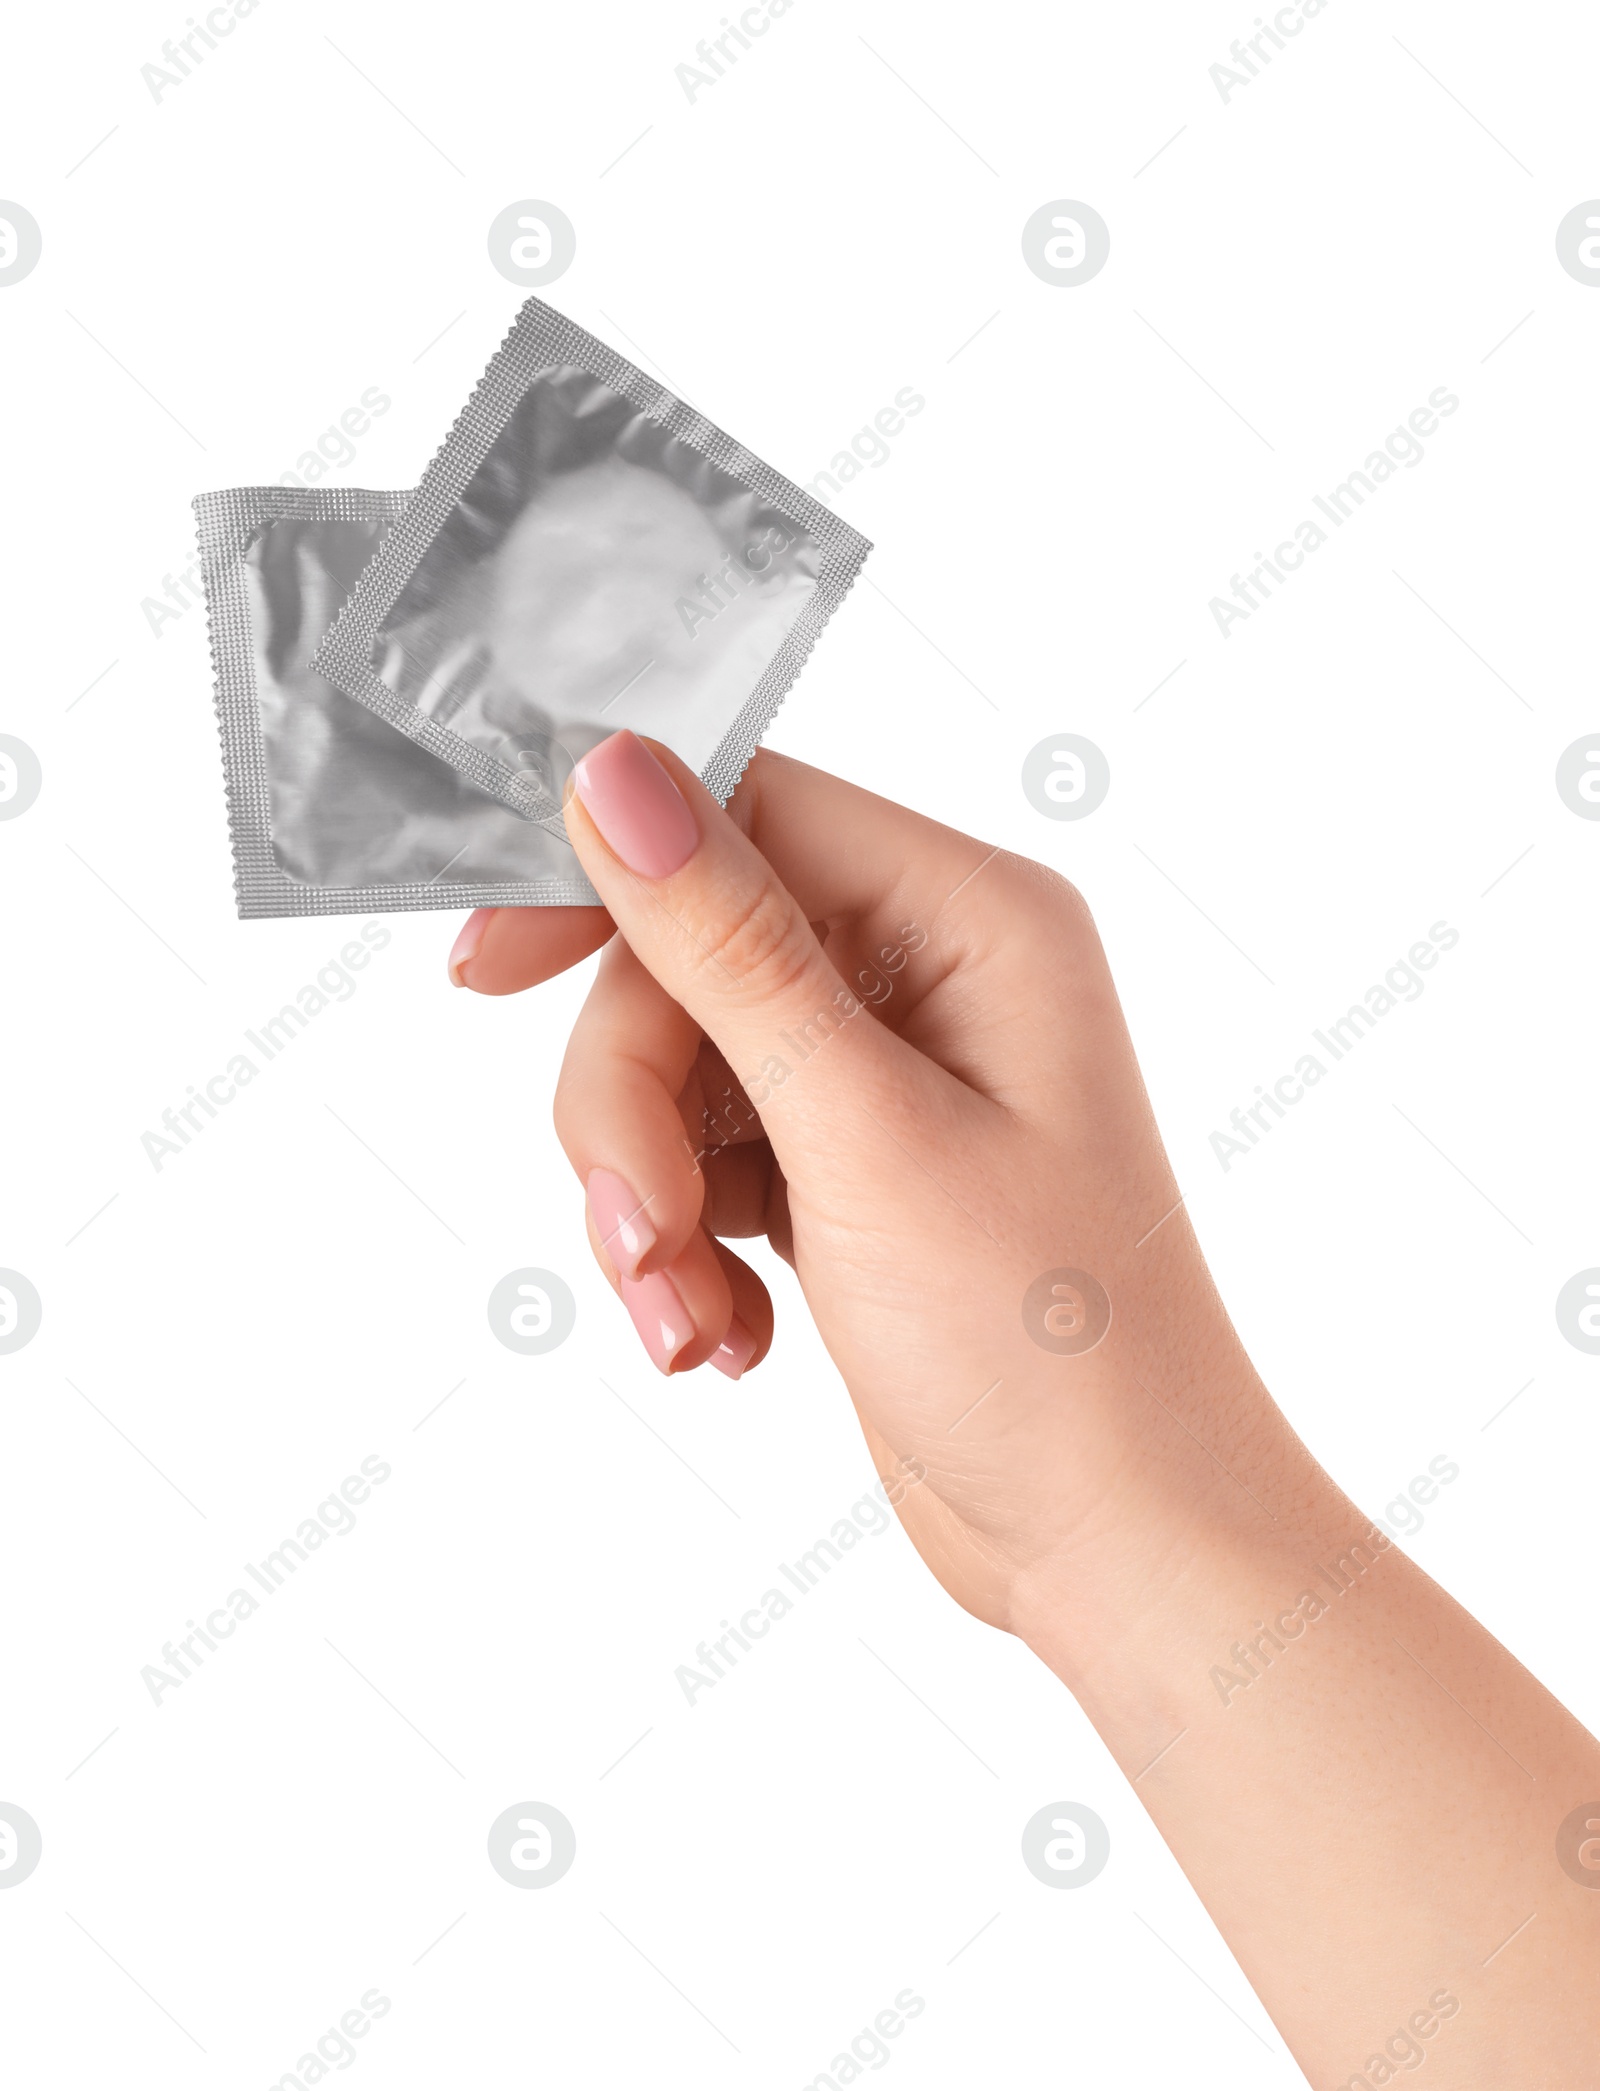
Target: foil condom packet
column 587, row 552
column 331, row 812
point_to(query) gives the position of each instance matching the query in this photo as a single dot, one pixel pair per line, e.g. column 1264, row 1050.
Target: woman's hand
column 897, row 1052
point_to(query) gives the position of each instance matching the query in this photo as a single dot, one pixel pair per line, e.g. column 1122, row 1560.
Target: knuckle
column 585, row 1093
column 1056, row 898
column 758, row 944
column 564, row 1111
column 1071, row 905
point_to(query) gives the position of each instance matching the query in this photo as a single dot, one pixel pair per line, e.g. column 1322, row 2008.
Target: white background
column 762, row 1873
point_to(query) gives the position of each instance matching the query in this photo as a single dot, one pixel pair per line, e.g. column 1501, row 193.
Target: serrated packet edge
column 543, row 339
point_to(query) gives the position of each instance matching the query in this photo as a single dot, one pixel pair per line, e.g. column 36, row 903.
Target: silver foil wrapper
column 331, row 811
column 587, row 552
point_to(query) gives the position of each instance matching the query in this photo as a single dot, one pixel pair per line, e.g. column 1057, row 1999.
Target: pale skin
column 1370, row 1809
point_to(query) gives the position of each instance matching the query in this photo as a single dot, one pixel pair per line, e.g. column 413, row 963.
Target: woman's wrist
column 1217, row 1520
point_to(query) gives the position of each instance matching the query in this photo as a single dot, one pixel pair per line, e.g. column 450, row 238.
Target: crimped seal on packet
column 587, row 552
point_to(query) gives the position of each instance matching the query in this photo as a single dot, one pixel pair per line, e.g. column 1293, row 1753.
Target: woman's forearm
column 1364, row 1787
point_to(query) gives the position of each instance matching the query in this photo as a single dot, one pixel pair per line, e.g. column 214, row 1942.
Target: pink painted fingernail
column 735, row 1351
column 659, row 1315
column 636, row 806
column 465, row 948
column 620, row 1220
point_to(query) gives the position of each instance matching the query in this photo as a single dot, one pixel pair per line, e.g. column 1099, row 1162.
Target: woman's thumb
column 708, row 916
